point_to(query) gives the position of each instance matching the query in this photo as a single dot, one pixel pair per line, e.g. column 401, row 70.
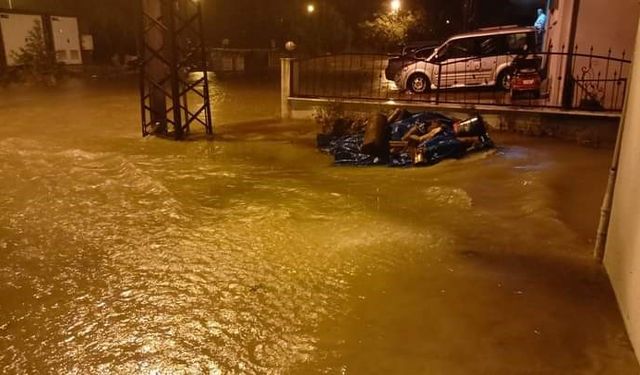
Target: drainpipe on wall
column 605, row 211
column 607, row 204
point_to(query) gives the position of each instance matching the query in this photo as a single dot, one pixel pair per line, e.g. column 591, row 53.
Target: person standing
column 540, row 26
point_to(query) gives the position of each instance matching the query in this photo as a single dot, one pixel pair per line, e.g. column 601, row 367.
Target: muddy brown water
column 252, row 254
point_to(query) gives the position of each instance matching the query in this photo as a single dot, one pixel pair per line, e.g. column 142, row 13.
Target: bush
column 335, row 121
column 37, row 63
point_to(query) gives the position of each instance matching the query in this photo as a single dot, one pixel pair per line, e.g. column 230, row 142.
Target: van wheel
column 419, row 83
column 504, row 80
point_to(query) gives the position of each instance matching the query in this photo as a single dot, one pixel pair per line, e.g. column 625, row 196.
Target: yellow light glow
column 311, row 8
column 395, row 6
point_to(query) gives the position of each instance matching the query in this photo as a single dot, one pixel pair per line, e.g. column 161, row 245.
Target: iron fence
column 560, row 79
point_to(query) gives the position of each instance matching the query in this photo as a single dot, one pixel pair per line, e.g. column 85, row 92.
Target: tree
column 393, row 29
column 35, row 58
column 323, row 31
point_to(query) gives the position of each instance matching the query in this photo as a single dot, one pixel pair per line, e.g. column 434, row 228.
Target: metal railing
column 569, row 80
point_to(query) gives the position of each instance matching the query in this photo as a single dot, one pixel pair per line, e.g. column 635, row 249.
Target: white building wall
column 600, row 24
column 604, row 26
column 623, row 248
column 607, row 24
column 557, row 40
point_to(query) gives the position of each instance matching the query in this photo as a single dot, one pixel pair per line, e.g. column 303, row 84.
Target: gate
column 571, row 81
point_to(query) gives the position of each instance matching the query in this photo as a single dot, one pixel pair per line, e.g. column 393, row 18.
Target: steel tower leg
column 174, row 86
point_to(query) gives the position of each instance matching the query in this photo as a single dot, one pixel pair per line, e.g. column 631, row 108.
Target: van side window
column 461, row 48
column 491, row 45
column 518, row 43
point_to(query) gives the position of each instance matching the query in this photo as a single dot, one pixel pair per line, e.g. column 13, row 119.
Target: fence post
column 439, row 83
column 286, row 86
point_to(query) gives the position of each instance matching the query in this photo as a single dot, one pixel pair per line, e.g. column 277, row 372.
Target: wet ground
column 253, row 254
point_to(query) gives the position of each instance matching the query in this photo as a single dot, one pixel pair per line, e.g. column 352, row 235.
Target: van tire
column 419, row 83
column 504, row 79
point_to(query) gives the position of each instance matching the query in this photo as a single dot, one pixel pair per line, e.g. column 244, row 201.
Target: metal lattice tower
column 174, row 85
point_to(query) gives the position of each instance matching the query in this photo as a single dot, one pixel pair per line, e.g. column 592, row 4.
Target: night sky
column 245, row 21
column 252, row 23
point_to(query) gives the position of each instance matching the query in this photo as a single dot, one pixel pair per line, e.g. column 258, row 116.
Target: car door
column 454, row 63
column 474, row 71
column 493, row 52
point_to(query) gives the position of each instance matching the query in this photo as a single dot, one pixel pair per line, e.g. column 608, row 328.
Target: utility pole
column 172, row 50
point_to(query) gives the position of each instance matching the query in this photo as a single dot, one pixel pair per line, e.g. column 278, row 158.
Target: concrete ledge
column 591, row 129
column 305, row 105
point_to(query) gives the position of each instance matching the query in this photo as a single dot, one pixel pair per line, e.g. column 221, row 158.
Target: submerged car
column 480, row 58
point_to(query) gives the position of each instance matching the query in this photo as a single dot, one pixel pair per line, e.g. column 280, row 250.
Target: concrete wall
column 622, row 258
column 600, row 24
column 607, row 24
column 557, row 40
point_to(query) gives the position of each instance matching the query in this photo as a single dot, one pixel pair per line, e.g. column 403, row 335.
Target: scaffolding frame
column 174, row 84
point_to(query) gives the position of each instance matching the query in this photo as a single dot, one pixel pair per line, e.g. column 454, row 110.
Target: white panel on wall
column 66, row 40
column 15, row 31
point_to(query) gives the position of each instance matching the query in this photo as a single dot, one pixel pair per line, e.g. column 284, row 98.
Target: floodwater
column 251, row 254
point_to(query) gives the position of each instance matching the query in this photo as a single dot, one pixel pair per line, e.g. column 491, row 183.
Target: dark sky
column 255, row 22
column 249, row 21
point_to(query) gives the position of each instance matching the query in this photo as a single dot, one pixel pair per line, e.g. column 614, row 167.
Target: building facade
column 622, row 258
column 588, row 28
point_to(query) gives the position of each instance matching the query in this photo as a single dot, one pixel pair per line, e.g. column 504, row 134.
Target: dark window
column 520, row 42
column 460, row 49
column 491, row 45
column 424, row 53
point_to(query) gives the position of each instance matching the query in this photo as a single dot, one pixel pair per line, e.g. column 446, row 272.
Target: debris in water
column 403, row 139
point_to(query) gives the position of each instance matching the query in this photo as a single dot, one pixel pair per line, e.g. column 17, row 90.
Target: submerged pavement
column 253, row 254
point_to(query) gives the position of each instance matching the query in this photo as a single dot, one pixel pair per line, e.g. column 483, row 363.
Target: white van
column 479, row 58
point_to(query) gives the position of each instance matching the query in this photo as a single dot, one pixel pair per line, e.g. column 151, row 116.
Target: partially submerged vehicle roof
column 501, row 30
